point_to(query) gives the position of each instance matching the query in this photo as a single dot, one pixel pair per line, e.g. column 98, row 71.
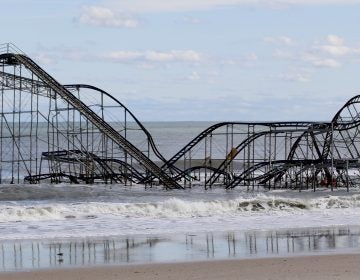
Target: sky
column 198, row 60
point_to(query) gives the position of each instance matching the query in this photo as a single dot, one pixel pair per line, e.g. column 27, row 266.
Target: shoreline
column 317, row 267
column 43, row 254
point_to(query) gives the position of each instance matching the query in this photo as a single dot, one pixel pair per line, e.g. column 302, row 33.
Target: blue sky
column 211, row 60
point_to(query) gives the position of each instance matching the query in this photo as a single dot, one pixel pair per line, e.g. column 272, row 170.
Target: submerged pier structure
column 50, row 132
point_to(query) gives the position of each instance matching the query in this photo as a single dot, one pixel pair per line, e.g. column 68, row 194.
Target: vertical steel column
column 301, row 177
column 332, row 155
column 314, row 178
column 31, row 158
column 68, row 135
column 270, row 152
column 347, row 175
column 13, row 132
column 206, row 137
column 226, row 180
column 1, row 126
column 248, row 157
column 275, row 151
column 126, row 155
column 38, row 157
column 211, row 156
column 19, row 129
column 253, row 159
column 232, row 145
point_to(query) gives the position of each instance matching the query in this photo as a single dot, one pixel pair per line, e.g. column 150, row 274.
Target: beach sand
column 304, row 267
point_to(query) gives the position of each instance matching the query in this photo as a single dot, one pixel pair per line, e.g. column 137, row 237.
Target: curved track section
column 228, row 150
column 275, row 130
column 83, row 167
column 277, row 153
column 81, row 134
column 126, row 123
column 337, row 141
column 67, row 122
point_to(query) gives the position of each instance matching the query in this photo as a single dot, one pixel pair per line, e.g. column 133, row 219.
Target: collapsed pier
column 50, row 132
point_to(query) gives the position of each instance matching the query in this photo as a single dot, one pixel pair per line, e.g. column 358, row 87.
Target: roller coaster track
column 169, row 164
column 103, row 126
column 193, row 143
column 339, row 124
column 147, row 133
column 14, row 81
column 238, row 149
column 25, row 84
column 282, row 164
column 317, row 128
column 132, row 171
column 225, row 163
column 78, row 156
column 87, row 139
column 212, row 128
column 194, row 168
column 221, row 169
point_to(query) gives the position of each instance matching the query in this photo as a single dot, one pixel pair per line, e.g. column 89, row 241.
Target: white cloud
column 191, row 20
column 245, row 60
column 331, row 52
column 334, row 45
column 296, row 77
column 335, row 40
column 194, row 76
column 188, row 55
column 250, row 57
column 280, row 40
column 101, row 16
column 145, row 59
column 335, row 50
column 321, row 62
column 153, row 56
column 283, row 54
column 122, row 56
column 327, row 62
column 139, row 6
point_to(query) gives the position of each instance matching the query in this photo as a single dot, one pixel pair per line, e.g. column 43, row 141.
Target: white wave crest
column 172, row 207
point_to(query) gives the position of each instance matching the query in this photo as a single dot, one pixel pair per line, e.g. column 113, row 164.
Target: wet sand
column 345, row 266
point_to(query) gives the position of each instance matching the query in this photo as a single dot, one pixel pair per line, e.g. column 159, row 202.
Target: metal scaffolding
column 82, row 134
column 74, row 133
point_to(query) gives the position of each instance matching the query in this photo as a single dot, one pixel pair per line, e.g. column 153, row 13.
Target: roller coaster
column 50, row 132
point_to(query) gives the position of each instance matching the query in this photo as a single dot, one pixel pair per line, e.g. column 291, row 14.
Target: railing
column 10, row 48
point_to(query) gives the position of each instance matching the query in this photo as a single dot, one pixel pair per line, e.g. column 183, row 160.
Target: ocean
column 49, row 225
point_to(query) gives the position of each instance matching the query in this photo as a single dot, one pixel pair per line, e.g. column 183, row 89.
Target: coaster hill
column 50, row 132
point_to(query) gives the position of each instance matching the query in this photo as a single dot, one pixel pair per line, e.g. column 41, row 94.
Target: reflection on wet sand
column 32, row 254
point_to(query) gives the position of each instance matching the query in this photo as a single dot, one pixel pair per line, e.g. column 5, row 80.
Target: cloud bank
column 138, row 6
column 101, row 16
column 152, row 56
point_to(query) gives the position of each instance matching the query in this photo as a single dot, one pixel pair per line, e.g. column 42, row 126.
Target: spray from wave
column 173, row 208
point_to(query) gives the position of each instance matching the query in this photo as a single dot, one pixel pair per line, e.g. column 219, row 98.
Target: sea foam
column 174, row 208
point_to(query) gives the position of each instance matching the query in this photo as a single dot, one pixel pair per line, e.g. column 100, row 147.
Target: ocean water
column 35, row 217
column 80, row 211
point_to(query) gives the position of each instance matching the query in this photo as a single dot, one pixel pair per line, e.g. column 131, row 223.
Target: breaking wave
column 172, row 208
